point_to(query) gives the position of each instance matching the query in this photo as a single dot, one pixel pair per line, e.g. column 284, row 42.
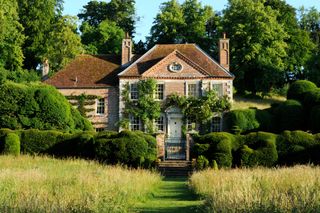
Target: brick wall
column 110, row 118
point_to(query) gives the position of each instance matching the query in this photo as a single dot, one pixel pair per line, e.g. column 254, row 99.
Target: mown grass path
column 173, row 195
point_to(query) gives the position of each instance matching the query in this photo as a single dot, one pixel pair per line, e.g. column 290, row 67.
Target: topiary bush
column 295, row 147
column 290, row 116
column 314, row 119
column 298, row 89
column 243, row 120
column 202, row 163
column 38, row 106
column 259, row 150
column 12, row 144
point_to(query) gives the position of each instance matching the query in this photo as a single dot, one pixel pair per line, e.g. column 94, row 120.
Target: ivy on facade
column 81, row 101
column 145, row 107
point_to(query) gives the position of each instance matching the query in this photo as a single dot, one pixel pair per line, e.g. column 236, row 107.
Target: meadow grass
column 43, row 184
column 240, row 102
column 295, row 189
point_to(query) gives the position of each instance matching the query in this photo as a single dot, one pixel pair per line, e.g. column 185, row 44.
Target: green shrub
column 298, row 89
column 311, row 99
column 12, row 144
column 296, row 147
column 259, row 150
column 37, row 106
column 243, row 120
column 265, row 120
column 200, row 149
column 202, row 163
column 290, row 116
column 314, row 119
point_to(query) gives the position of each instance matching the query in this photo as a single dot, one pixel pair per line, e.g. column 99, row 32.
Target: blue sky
column 147, row 10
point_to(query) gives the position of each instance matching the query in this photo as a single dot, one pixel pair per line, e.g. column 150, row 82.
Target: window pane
column 159, row 124
column 218, row 88
column 192, row 90
column 134, row 91
column 216, row 124
column 100, row 129
column 100, row 106
column 159, row 92
column 134, row 123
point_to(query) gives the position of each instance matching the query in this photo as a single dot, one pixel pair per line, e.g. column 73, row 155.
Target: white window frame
column 100, row 106
column 158, row 124
column 134, row 94
column 196, row 89
column 157, row 93
column 135, row 126
column 190, row 127
column 219, row 93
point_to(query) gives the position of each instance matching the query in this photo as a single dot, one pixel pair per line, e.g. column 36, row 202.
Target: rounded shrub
column 242, row 120
column 314, row 119
column 290, row 116
column 298, row 89
column 12, row 144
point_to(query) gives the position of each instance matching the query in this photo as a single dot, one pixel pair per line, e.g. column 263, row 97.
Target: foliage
column 314, row 119
column 105, row 24
column 258, row 44
column 259, row 149
column 201, row 109
column 189, row 22
column 146, row 107
column 11, row 36
column 289, row 116
column 298, row 89
column 70, row 185
column 37, row 106
column 64, row 44
column 242, row 120
column 202, row 163
column 12, row 144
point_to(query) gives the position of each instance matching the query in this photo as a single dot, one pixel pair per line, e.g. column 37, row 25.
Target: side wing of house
column 90, row 83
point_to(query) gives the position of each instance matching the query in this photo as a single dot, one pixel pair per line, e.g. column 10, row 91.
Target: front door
column 175, row 146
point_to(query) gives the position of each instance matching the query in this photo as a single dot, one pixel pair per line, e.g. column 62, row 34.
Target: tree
column 258, row 44
column 64, row 43
column 37, row 17
column 105, row 38
column 189, row 22
column 104, row 25
column 122, row 12
column 11, row 36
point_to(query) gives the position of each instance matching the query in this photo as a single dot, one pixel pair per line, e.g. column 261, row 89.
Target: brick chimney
column 224, row 52
column 126, row 53
column 45, row 69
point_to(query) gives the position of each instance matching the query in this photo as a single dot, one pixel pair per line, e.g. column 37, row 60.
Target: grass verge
column 42, row 184
column 240, row 102
column 295, row 189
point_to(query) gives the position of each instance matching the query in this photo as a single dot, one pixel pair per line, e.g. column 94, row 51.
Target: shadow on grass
column 173, row 196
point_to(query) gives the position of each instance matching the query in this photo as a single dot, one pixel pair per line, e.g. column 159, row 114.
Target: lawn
column 42, row 184
column 294, row 189
column 172, row 196
column 240, row 102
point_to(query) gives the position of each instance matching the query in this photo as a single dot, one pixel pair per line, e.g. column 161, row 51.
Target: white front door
column 175, row 127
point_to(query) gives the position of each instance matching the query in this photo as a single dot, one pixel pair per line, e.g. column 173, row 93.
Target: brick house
column 178, row 68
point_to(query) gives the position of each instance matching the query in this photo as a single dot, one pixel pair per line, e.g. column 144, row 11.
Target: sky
column 148, row 9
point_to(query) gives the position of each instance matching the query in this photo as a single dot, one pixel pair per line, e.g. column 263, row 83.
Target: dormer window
column 175, row 67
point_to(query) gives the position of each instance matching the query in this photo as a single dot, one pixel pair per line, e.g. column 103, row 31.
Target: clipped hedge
column 12, row 144
column 135, row 149
column 258, row 149
column 298, row 89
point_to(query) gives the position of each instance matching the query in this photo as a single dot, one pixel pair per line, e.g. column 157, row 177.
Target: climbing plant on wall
column 145, row 107
column 81, row 101
column 200, row 109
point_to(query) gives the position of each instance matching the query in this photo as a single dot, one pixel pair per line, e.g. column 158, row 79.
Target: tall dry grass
column 41, row 184
column 295, row 189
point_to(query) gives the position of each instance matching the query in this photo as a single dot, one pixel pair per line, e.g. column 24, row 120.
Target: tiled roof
column 88, row 71
column 191, row 51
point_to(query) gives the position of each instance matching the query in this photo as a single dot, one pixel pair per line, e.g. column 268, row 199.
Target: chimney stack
column 126, row 53
column 224, row 52
column 45, row 69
